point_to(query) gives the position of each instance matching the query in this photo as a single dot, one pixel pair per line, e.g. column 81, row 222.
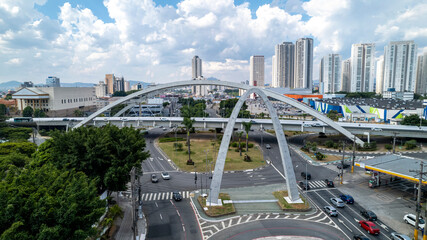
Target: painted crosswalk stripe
column 163, row 195
column 167, row 195
column 151, row 195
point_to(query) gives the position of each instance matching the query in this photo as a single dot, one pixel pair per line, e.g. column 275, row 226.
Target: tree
column 413, row 120
column 116, row 109
column 119, row 94
column 239, row 134
column 188, row 123
column 39, row 113
column 334, row 115
column 78, row 113
column 3, row 109
column 247, row 126
column 388, row 147
column 28, row 112
column 165, row 104
column 411, row 144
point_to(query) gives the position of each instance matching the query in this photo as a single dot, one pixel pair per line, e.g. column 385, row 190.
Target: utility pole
column 342, row 162
column 354, row 154
column 394, row 143
column 418, row 205
column 134, row 209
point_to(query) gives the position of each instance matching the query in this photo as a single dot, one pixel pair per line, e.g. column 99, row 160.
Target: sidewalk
column 125, row 229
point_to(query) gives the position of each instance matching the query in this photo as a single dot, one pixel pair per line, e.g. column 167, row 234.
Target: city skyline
column 81, row 41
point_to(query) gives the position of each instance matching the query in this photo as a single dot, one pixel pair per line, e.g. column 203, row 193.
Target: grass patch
column 329, row 158
column 284, row 205
column 171, row 139
column 233, row 161
column 217, row 211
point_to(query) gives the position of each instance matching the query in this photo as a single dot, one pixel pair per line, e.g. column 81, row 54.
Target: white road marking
column 161, row 216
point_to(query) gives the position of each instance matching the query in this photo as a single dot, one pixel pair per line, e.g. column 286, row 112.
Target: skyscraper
column 304, row 63
column 421, row 87
column 119, row 84
column 274, row 82
column 380, row 76
column 109, row 81
column 331, row 73
column 285, row 64
column 196, row 67
column 53, row 82
column 256, row 73
column 346, row 75
column 362, row 67
column 399, row 66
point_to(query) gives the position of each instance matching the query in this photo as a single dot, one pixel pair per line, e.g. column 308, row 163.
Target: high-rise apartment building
column 256, row 74
column 53, row 82
column 421, row 87
column 362, row 67
column 346, row 75
column 285, row 54
column 400, row 66
column 303, row 63
column 119, row 84
column 330, row 73
column 274, row 82
column 196, row 67
column 101, row 89
column 109, row 81
column 380, row 76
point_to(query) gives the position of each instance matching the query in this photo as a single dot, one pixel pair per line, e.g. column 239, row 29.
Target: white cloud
column 14, row 61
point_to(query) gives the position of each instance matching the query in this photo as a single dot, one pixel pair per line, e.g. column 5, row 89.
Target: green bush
column 171, row 139
column 234, row 144
column 250, row 145
column 329, row 144
column 178, row 146
column 320, row 156
column 411, row 144
column 388, row 147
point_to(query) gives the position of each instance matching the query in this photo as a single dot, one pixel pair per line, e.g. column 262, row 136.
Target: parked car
column 166, row 176
column 317, row 125
column 65, row 119
column 267, row 146
column 306, row 175
column 360, row 237
column 304, row 186
column 176, row 196
column 370, row 227
column 331, row 211
column 347, row 198
column 337, row 202
column 399, row 236
column 343, row 166
column 329, row 183
column 371, row 216
column 376, row 129
column 154, row 178
column 410, row 219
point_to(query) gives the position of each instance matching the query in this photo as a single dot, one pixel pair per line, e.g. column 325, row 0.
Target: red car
column 370, row 227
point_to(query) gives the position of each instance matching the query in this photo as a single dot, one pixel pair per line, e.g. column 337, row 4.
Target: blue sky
column 154, row 41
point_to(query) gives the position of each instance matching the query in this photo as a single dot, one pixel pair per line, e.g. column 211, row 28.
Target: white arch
column 269, row 93
column 283, row 147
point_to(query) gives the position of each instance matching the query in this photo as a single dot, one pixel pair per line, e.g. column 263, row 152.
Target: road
column 176, row 220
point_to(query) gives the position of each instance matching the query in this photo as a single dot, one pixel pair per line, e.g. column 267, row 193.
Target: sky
column 155, row 40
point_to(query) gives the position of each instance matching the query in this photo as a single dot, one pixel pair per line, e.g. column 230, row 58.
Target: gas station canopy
column 395, row 165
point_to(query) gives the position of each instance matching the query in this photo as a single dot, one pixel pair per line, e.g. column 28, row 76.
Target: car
column 163, row 119
column 360, row 237
column 331, row 211
column 317, row 125
column 337, row 202
column 410, row 219
column 154, row 178
column 176, row 196
column 65, row 119
column 370, row 227
column 166, row 176
column 399, row 236
column 347, row 198
column 306, row 175
column 304, row 186
column 329, row 183
column 376, row 129
column 343, row 166
column 307, row 125
column 267, row 146
column 371, row 216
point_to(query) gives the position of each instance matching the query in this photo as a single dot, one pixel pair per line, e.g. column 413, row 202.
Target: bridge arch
column 267, row 92
column 281, row 140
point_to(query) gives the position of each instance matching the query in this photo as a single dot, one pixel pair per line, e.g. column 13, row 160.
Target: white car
column 376, row 129
column 166, row 176
column 399, row 236
column 337, row 202
column 410, row 219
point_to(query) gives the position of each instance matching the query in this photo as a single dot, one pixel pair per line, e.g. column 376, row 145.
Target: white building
column 362, row 67
column 137, row 86
column 406, row 96
column 285, row 54
column 400, row 66
column 380, row 76
column 346, row 75
column 303, row 63
column 127, row 86
column 421, row 87
column 196, row 73
column 53, row 82
column 331, row 73
column 274, row 79
column 256, row 71
column 101, row 89
column 56, row 101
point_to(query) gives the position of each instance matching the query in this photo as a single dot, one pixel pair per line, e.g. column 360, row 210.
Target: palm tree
column 247, row 126
column 240, row 136
column 188, row 123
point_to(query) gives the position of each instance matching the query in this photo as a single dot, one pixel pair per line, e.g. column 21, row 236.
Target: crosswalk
column 162, row 196
column 317, row 184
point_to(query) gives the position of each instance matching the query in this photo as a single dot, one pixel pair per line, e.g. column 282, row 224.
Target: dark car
column 176, row 196
column 371, row 216
column 329, row 183
column 154, row 178
column 343, row 166
column 347, row 198
column 360, row 237
column 306, row 175
column 304, row 186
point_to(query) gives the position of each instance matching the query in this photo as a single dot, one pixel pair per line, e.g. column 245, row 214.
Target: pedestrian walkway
column 317, row 184
column 162, row 196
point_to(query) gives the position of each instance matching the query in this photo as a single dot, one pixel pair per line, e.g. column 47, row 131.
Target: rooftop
column 385, row 103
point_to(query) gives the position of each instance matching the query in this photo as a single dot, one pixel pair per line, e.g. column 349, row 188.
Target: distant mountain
column 212, row 78
column 77, row 84
column 9, row 85
column 145, row 84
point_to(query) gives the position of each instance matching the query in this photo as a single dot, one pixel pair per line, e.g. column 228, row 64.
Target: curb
column 367, row 152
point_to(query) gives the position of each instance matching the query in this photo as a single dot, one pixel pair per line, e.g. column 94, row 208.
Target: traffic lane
column 188, row 218
column 276, row 228
column 178, row 181
column 163, row 222
column 352, row 212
